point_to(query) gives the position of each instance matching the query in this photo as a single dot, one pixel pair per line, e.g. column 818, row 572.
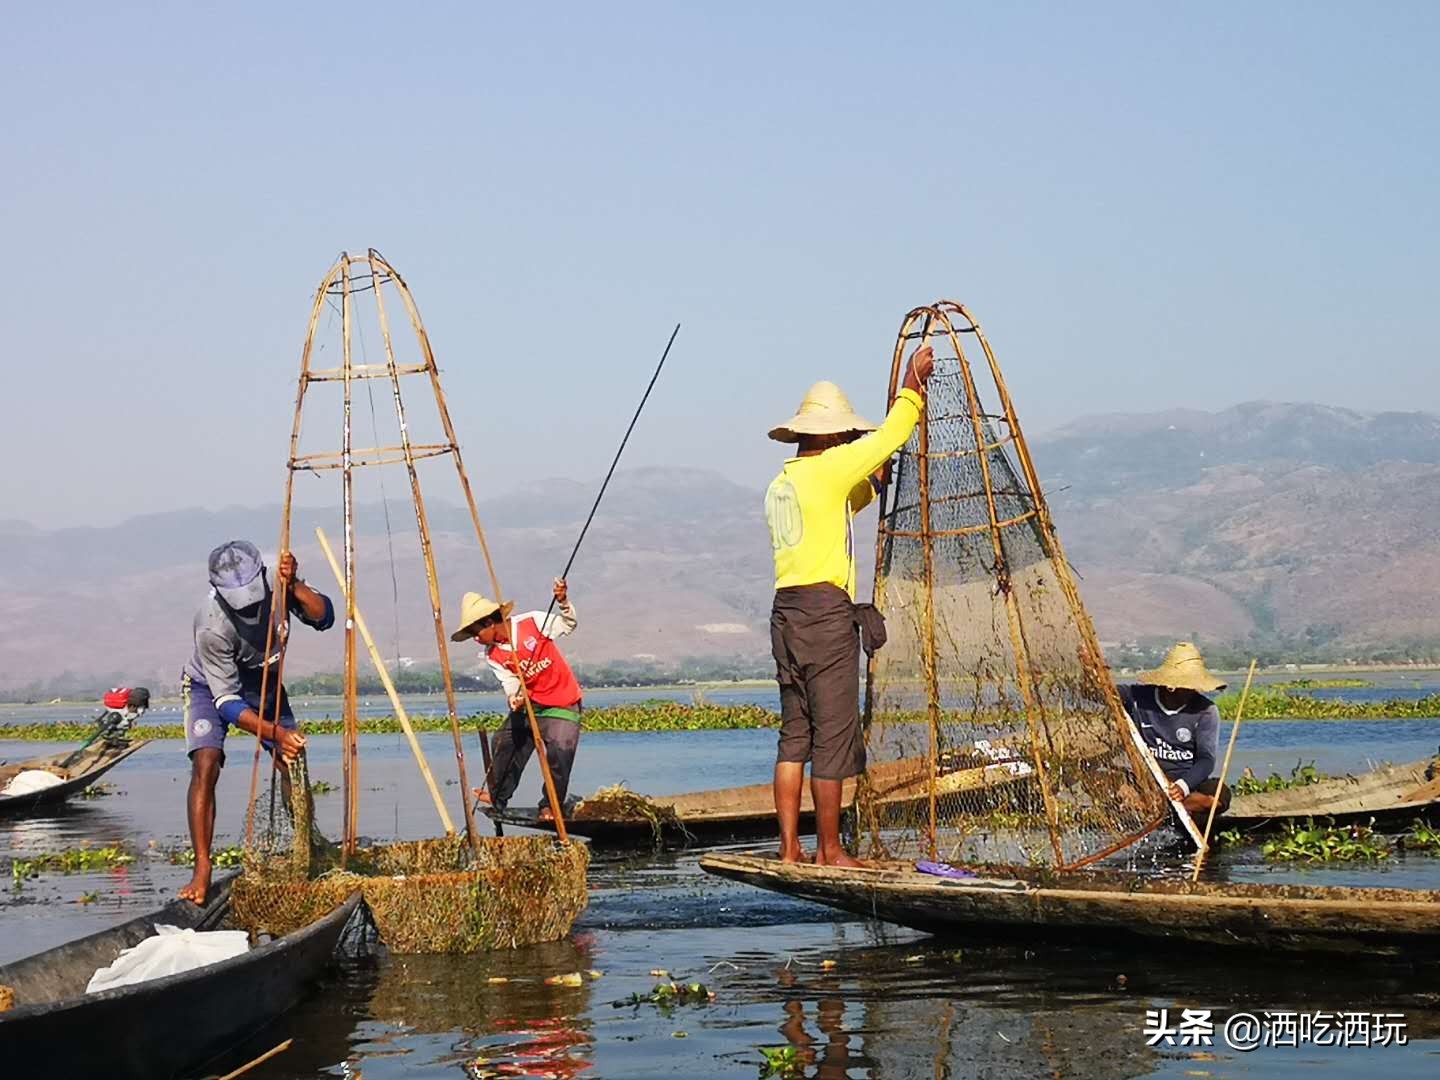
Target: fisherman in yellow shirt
column 809, row 506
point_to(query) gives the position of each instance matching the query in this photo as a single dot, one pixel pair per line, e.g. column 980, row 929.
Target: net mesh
column 425, row 896
column 990, row 709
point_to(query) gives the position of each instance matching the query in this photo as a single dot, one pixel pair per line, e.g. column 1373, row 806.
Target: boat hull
column 1087, row 908
column 87, row 765
column 1390, row 796
column 745, row 813
column 166, row 1028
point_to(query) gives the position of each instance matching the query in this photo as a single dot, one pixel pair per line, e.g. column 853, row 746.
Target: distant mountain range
column 1298, row 529
column 1286, row 527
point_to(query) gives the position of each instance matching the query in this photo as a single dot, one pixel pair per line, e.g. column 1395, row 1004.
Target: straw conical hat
column 473, row 608
column 825, row 411
column 1183, row 669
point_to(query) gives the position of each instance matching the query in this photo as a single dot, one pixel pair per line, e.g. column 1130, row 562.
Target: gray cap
column 238, row 573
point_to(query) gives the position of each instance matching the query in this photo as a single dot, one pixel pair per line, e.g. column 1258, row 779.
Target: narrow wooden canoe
column 1393, row 795
column 745, row 812
column 166, row 1027
column 1088, row 907
column 77, row 768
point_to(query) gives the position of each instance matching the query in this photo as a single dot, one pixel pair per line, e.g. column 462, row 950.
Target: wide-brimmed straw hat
column 825, row 411
column 1184, row 669
column 473, row 608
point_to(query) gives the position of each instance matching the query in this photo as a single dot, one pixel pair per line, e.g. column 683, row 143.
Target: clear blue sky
column 1147, row 205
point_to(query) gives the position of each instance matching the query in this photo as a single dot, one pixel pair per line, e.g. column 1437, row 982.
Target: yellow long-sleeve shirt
column 810, row 504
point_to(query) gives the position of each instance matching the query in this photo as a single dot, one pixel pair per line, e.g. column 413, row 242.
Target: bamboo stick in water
column 1224, row 769
column 380, row 670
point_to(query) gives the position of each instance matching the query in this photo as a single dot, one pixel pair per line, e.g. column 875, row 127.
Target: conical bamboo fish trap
column 425, row 896
column 991, row 654
column 448, row 894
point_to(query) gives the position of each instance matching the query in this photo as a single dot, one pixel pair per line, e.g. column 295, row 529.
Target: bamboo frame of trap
column 952, row 322
column 490, row 859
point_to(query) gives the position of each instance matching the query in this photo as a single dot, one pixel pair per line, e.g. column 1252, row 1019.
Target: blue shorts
column 204, row 730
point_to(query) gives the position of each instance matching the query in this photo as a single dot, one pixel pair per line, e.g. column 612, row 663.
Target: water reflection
column 829, row 1052
column 929, row 1008
column 894, row 1003
column 501, row 1017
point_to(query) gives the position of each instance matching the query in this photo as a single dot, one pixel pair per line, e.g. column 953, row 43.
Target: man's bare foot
column 836, row 858
column 199, row 888
column 795, row 854
column 482, row 797
column 544, row 814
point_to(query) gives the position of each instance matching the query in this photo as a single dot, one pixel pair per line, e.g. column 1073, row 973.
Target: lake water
column 1404, row 685
column 893, row 1004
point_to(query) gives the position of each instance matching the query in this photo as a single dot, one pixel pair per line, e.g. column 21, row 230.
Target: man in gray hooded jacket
column 220, row 685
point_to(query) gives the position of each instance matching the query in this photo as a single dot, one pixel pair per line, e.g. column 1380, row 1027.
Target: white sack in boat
column 169, row 952
column 30, row 781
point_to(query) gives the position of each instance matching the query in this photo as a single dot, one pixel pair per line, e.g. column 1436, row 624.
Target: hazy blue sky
column 1147, row 205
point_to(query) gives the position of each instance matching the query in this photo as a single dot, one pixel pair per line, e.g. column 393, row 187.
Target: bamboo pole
column 928, row 662
column 384, row 674
column 1034, row 710
column 1224, row 771
column 351, row 738
column 555, row 808
column 272, row 1052
column 305, row 354
column 418, row 326
column 864, row 793
column 1140, row 758
column 426, row 548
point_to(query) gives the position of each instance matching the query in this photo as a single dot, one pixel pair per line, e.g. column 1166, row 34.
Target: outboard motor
column 122, row 707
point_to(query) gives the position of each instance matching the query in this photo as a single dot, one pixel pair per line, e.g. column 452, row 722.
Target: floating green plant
column 220, row 858
column 781, row 1061
column 1320, row 684
column 1302, row 775
column 668, row 995
column 71, row 861
column 1263, row 704
column 1322, row 844
column 1422, row 837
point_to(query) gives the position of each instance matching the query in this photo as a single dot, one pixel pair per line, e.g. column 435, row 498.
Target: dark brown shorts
column 817, row 663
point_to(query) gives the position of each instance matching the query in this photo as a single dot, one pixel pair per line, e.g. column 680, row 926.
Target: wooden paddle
column 1224, row 769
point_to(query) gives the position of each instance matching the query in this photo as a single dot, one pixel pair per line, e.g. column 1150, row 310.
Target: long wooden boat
column 78, row 769
column 1089, row 907
column 166, row 1027
column 740, row 813
column 1393, row 795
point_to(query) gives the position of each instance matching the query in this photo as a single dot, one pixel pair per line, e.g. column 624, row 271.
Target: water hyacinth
column 1320, row 844
column 643, row 716
column 71, row 861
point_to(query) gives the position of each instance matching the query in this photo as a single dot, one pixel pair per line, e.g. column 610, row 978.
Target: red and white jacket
column 534, row 653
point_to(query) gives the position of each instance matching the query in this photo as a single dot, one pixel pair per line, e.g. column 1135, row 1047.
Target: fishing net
column 425, row 896
column 990, row 711
column 285, row 839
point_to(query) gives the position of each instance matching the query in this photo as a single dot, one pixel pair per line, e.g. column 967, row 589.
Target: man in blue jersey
column 1181, row 726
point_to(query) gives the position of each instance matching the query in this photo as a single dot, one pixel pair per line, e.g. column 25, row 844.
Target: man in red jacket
column 516, row 647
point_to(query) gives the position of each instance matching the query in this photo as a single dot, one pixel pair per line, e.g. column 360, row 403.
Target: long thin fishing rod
column 606, row 483
column 489, row 779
